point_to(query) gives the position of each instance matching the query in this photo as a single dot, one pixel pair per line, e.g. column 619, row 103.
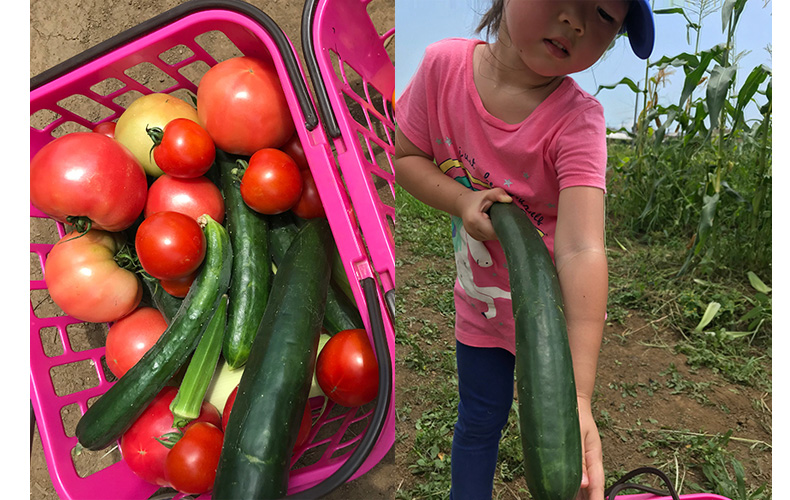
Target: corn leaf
column 694, row 74
column 719, row 84
column 625, row 81
column 710, row 313
column 727, row 9
column 758, row 284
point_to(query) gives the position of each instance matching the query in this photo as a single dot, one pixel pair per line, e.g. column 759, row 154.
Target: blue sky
column 421, row 22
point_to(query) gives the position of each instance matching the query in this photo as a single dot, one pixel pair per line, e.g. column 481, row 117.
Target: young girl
column 501, row 122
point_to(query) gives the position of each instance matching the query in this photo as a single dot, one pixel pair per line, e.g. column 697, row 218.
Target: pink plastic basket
column 626, row 483
column 343, row 443
column 692, row 496
column 358, row 115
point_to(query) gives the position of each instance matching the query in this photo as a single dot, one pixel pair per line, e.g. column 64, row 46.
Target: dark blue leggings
column 485, row 386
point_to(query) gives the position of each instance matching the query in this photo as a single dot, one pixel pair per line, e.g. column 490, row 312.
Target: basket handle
column 623, row 484
column 366, row 444
column 182, row 10
column 308, row 49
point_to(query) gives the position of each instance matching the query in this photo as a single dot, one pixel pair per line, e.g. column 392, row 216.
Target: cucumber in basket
column 548, row 412
column 272, row 394
column 341, row 312
column 119, row 407
column 252, row 267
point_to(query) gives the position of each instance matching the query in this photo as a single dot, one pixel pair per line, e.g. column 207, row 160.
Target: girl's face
column 560, row 37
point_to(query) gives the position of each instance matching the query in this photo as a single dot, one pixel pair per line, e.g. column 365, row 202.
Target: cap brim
column 640, row 28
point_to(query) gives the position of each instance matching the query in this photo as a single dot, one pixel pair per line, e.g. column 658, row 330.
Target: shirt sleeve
column 581, row 150
column 412, row 108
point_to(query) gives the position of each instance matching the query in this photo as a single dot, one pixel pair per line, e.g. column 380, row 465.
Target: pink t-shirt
column 562, row 143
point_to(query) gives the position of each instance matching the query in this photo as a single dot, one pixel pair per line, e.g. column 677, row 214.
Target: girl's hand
column 472, row 207
column 592, row 461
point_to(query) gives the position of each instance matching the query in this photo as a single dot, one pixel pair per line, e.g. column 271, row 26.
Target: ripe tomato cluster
column 131, row 192
column 132, row 196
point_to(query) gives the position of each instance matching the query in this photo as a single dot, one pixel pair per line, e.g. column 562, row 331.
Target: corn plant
column 699, row 161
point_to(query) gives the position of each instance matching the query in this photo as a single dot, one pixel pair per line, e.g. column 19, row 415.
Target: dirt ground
column 651, row 407
column 62, row 29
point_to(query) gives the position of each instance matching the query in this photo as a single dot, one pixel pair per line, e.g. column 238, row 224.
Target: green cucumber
column 116, row 410
column 263, row 426
column 548, row 412
column 252, row 267
column 167, row 304
column 339, row 277
column 341, row 312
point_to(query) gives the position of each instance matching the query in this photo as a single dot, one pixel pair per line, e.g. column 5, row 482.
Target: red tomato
column 178, row 287
column 304, row 426
column 141, row 451
column 84, row 280
column 170, row 245
column 88, row 175
column 241, row 103
column 191, row 466
column 193, row 197
column 347, row 370
column 132, row 336
column 294, row 149
column 184, row 150
column 105, row 128
column 272, row 183
column 228, row 406
column 309, row 205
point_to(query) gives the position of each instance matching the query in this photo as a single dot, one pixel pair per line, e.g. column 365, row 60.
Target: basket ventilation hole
column 69, row 128
column 107, row 86
column 194, row 71
column 51, row 342
column 43, row 305
column 150, row 76
column 84, row 336
column 74, row 377
column 127, row 98
column 176, row 54
column 70, row 415
column 217, row 45
column 86, row 108
column 42, row 118
column 88, row 462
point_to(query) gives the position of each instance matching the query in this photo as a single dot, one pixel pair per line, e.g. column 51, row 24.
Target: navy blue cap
column 640, row 28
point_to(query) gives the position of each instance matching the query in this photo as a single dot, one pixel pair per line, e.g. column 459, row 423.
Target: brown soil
column 637, row 400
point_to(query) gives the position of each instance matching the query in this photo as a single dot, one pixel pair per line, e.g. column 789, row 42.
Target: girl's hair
column 492, row 18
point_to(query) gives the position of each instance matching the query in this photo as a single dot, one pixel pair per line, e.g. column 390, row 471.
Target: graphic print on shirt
column 468, row 249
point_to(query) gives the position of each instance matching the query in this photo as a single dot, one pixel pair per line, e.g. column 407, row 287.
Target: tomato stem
column 238, row 172
column 127, row 259
column 81, row 225
column 156, row 134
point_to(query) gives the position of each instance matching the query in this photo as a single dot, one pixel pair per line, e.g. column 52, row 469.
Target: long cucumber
column 548, row 412
column 252, row 267
column 263, row 426
column 119, row 407
column 341, row 312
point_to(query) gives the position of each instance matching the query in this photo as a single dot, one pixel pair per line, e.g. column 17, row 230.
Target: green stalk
column 189, row 399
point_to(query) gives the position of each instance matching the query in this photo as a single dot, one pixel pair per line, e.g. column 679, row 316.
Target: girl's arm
column 417, row 173
column 580, row 257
